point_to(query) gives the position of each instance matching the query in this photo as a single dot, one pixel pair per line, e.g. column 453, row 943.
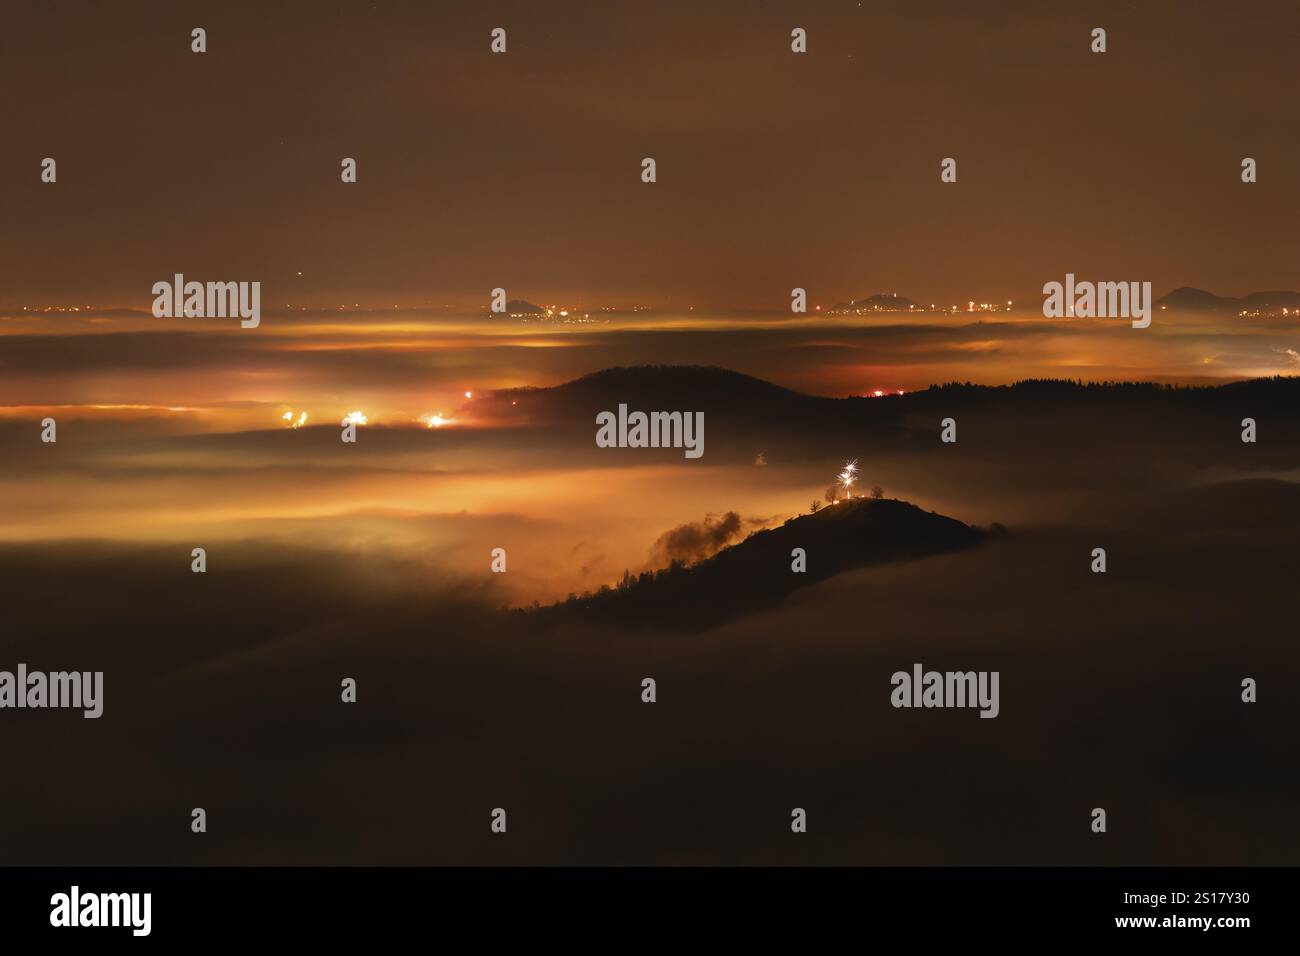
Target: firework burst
column 848, row 476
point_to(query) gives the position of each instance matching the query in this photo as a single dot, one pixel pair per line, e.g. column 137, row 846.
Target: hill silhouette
column 756, row 573
column 711, row 388
column 523, row 307
column 1198, row 300
column 746, row 415
column 723, row 395
column 738, row 401
column 663, row 386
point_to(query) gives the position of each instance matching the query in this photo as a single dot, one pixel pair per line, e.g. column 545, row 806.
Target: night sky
column 522, row 170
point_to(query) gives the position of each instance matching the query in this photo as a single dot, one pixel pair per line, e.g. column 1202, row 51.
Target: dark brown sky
column 522, row 170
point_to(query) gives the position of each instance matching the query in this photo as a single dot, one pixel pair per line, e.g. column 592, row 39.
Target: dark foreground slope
column 1119, row 690
column 758, row 572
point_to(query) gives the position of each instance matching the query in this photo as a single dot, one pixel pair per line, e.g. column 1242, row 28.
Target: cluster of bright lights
column 435, row 420
column 857, row 308
column 973, row 306
column 298, row 419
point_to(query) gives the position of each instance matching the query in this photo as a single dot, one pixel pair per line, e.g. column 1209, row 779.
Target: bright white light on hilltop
column 848, row 476
column 356, row 418
column 435, row 421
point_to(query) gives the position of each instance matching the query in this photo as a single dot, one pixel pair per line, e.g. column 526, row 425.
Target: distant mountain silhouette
column 716, row 391
column 1198, row 300
column 756, row 573
column 669, row 386
column 1275, row 300
column 523, row 307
